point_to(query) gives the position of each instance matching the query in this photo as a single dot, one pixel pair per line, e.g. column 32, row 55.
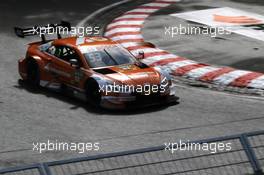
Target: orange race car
column 94, row 68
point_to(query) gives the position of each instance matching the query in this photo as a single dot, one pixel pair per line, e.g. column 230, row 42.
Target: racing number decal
column 95, row 56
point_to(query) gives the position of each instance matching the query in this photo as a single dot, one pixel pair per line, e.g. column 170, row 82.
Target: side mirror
column 141, row 55
column 74, row 62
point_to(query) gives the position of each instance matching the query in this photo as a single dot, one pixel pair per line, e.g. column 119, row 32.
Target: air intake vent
column 104, row 71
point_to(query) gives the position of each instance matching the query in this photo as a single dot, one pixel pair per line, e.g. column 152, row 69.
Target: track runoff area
column 217, row 21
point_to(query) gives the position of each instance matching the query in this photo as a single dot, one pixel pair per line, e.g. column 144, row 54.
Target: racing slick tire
column 92, row 93
column 33, row 74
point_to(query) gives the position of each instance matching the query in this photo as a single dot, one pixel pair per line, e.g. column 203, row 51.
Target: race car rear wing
column 43, row 30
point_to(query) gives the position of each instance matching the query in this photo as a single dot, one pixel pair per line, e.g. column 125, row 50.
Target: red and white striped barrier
column 126, row 30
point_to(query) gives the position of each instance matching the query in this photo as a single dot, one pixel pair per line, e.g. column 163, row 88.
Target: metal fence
column 245, row 158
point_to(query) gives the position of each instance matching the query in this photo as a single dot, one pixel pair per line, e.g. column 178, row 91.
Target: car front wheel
column 92, row 93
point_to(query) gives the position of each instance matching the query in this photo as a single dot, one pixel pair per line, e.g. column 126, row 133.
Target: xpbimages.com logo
column 74, row 31
column 80, row 147
column 173, row 31
column 147, row 89
column 190, row 146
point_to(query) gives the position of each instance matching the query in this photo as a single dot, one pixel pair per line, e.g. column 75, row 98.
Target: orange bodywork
column 44, row 59
column 55, row 71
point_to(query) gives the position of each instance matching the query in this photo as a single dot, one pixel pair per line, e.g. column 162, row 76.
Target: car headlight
column 165, row 82
column 165, row 77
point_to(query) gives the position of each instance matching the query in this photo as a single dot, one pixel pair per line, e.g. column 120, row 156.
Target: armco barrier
column 245, row 158
column 36, row 169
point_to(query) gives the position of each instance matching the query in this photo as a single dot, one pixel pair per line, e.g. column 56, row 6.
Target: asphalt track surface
column 27, row 116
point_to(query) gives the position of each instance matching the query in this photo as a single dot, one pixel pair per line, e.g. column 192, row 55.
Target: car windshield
column 108, row 56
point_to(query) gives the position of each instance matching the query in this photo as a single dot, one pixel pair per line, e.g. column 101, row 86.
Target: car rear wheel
column 33, row 74
column 92, row 93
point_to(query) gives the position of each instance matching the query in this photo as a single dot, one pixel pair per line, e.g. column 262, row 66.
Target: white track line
column 82, row 22
column 156, row 4
column 143, row 10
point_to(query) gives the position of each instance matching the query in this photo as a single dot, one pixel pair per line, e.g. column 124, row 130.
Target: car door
column 61, row 68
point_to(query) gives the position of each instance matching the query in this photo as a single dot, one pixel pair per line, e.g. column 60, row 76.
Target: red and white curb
column 126, row 30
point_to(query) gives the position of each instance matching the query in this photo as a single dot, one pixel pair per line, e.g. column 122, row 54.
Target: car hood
column 131, row 74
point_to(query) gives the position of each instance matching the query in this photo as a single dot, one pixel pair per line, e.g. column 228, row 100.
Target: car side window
column 56, row 51
column 63, row 52
column 51, row 50
column 68, row 53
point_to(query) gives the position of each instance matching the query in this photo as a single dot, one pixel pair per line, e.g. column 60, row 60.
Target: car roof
column 83, row 41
